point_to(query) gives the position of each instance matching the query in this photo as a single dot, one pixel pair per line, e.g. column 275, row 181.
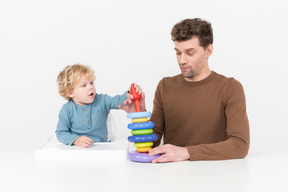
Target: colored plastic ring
column 143, row 149
column 144, row 144
column 136, row 126
column 139, row 114
column 142, row 132
column 143, row 138
column 142, row 157
column 140, row 120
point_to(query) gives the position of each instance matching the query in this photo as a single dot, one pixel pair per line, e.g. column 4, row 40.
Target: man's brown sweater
column 207, row 117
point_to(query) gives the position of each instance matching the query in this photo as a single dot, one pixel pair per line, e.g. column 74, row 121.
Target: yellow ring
column 140, row 120
column 144, row 144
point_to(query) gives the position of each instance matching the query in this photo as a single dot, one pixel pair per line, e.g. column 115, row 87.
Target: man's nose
column 183, row 59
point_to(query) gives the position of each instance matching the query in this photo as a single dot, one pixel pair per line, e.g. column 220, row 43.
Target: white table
column 22, row 171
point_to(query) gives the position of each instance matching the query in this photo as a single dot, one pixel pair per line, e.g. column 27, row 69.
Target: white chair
column 111, row 128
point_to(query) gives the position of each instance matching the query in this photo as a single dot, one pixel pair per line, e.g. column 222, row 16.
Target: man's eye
column 178, row 53
column 190, row 54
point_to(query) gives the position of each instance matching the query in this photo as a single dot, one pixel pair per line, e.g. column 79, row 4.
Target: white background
column 129, row 41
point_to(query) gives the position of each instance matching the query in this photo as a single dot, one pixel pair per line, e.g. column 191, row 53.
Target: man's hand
column 83, row 142
column 129, row 106
column 169, row 153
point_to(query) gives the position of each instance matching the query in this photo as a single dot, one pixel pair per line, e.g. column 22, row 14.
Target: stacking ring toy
column 145, row 125
column 142, row 132
column 138, row 114
column 144, row 144
column 140, row 120
column 142, row 157
column 143, row 138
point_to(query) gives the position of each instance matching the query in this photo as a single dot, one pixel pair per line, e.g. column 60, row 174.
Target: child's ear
column 69, row 93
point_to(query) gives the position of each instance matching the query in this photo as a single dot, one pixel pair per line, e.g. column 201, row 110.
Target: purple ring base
column 141, row 157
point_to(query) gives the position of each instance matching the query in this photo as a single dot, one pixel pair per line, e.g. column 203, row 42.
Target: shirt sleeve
column 113, row 102
column 63, row 131
column 238, row 138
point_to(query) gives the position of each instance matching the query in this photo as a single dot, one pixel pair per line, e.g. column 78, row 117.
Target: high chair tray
column 53, row 149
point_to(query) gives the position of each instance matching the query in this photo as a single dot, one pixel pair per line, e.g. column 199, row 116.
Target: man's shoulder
column 229, row 83
column 225, row 79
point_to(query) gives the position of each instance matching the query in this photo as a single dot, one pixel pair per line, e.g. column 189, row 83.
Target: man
column 200, row 114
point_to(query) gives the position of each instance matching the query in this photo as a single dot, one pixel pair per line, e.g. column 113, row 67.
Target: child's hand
column 83, row 142
column 129, row 105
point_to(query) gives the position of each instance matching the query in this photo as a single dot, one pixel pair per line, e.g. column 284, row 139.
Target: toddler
column 82, row 120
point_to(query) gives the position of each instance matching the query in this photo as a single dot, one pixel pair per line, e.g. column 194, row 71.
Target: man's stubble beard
column 190, row 74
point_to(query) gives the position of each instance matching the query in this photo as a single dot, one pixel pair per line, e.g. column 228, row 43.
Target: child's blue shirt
column 88, row 120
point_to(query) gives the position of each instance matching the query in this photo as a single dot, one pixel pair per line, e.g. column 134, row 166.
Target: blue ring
column 143, row 138
column 145, row 125
column 139, row 115
column 141, row 157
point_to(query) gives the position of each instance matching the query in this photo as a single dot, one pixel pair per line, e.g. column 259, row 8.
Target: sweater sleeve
column 237, row 128
column 63, row 132
column 158, row 115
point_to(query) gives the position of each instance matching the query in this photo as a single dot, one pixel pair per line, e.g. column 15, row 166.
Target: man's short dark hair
column 188, row 28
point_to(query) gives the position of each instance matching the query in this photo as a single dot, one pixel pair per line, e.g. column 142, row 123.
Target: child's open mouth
column 91, row 94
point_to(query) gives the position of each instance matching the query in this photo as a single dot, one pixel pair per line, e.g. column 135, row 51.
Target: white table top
column 21, row 171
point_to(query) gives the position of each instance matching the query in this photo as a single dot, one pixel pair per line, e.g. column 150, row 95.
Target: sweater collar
column 198, row 83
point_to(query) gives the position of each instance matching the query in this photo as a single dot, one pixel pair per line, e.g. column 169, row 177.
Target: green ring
column 142, row 132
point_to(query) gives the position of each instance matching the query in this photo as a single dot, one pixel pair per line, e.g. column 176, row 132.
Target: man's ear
column 209, row 50
column 69, row 93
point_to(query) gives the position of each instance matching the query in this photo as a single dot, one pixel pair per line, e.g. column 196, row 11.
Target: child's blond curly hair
column 70, row 75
